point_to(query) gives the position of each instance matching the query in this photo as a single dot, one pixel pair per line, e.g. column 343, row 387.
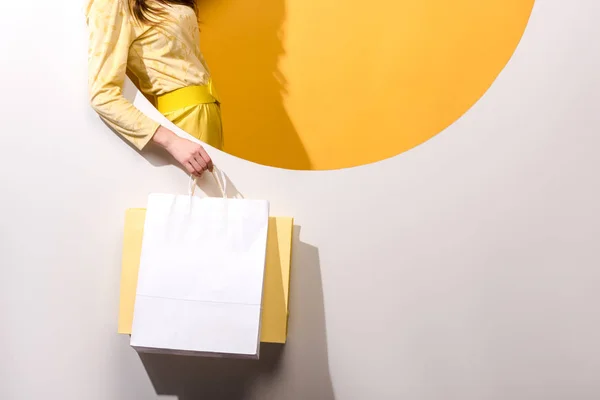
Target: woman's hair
column 150, row 11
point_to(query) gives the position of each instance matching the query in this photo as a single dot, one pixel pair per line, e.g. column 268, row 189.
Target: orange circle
column 325, row 84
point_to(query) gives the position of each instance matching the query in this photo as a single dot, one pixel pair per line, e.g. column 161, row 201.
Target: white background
column 467, row 268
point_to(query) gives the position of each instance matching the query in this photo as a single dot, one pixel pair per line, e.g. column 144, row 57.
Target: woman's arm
column 111, row 33
column 190, row 155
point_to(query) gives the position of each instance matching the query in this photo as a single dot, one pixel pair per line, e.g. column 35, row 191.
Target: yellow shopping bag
column 276, row 283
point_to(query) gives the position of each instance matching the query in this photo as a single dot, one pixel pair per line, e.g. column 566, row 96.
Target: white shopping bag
column 201, row 275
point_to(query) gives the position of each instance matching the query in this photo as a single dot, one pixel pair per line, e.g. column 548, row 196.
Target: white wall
column 467, row 268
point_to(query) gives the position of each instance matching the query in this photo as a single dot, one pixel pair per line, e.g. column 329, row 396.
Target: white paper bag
column 201, row 275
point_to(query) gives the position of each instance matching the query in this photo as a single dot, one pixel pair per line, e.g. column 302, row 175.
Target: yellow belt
column 185, row 97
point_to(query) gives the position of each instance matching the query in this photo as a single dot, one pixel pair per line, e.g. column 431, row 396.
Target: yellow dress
column 164, row 57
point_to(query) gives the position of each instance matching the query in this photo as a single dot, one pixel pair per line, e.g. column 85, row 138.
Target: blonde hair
column 151, row 11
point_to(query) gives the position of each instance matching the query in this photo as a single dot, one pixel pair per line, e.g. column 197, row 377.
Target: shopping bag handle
column 222, row 186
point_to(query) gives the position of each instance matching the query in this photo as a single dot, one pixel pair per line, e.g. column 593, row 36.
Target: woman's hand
column 192, row 157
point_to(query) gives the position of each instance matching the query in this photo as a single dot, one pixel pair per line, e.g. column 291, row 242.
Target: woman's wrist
column 164, row 137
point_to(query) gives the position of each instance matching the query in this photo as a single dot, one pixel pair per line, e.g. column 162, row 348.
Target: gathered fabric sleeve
column 111, row 32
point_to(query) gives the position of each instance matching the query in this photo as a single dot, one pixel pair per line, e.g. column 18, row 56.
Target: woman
column 157, row 41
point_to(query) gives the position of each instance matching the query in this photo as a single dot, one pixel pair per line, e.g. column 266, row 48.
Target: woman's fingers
column 204, row 155
column 190, row 155
column 190, row 168
column 203, row 164
column 198, row 168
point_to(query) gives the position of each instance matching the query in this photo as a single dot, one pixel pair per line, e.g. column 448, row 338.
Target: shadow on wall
column 242, row 42
column 298, row 370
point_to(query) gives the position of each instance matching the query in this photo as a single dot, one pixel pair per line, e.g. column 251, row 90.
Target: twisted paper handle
column 222, row 186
